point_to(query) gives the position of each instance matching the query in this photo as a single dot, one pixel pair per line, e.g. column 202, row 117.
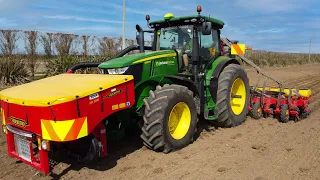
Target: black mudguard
column 184, row 82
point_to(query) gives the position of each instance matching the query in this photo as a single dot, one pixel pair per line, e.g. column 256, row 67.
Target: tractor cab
column 180, row 39
column 196, row 39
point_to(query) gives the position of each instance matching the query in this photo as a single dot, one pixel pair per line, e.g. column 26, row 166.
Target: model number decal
column 159, row 63
column 93, row 96
column 18, row 122
column 113, row 93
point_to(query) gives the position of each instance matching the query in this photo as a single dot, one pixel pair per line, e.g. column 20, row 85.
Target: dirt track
column 264, row 149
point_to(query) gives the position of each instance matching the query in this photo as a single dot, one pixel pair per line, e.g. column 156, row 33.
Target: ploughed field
column 258, row 149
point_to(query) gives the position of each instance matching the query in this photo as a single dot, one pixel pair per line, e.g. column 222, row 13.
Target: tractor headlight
column 118, row 70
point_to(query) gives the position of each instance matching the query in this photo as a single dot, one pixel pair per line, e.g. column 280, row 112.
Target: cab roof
column 185, row 20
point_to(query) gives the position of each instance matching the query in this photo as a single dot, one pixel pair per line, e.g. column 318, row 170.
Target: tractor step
column 209, row 117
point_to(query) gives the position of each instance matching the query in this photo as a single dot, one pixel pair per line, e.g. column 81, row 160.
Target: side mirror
column 206, row 28
column 137, row 37
column 138, row 28
column 140, row 38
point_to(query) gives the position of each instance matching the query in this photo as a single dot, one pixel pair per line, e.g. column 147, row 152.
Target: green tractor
column 183, row 76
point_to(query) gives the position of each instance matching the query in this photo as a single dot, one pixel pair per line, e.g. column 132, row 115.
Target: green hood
column 136, row 58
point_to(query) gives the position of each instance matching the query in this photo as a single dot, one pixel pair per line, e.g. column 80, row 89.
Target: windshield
column 180, row 38
column 175, row 37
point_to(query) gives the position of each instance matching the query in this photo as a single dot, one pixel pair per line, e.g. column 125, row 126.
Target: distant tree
column 109, row 46
column 76, row 47
column 85, row 45
column 47, row 41
column 94, row 46
column 63, row 42
column 130, row 42
column 31, row 42
column 8, row 40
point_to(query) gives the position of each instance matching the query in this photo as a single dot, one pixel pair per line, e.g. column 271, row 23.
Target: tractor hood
column 136, row 58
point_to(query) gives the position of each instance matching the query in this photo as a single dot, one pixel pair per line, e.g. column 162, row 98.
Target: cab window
column 209, row 44
column 168, row 39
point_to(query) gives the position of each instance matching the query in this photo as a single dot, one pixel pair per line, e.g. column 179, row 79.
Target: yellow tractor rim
column 238, row 96
column 179, row 120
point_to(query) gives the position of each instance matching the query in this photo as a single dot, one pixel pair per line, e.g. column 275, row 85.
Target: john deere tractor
column 170, row 95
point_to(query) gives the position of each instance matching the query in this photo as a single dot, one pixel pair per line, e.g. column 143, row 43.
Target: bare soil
column 258, row 149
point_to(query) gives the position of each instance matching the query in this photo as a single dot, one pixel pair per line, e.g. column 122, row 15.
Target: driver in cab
column 187, row 50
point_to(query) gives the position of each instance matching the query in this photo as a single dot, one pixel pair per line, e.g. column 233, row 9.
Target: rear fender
column 142, row 89
column 184, row 82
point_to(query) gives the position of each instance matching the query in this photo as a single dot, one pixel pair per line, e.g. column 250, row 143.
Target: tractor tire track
column 312, row 82
column 309, row 81
column 309, row 166
column 301, row 80
column 309, row 162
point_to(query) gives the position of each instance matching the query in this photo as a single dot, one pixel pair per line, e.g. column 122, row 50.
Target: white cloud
column 82, row 30
column 271, row 5
column 153, row 12
column 274, row 30
column 179, row 8
column 74, row 8
column 10, row 5
column 95, row 28
column 118, row 7
column 78, row 18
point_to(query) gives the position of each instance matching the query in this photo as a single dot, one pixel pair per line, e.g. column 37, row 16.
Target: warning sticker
column 115, row 107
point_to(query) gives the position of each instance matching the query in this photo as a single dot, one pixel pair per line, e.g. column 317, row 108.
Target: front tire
column 232, row 96
column 170, row 118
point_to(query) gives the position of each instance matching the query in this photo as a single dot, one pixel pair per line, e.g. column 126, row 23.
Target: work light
column 118, row 70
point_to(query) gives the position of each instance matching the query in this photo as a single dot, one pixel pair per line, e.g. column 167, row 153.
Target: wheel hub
column 238, row 96
column 179, row 120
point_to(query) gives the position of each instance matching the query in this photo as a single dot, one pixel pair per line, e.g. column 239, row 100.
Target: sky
column 273, row 25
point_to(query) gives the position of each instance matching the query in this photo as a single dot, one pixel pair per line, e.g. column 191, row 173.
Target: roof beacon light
column 199, row 9
column 148, row 19
column 168, row 16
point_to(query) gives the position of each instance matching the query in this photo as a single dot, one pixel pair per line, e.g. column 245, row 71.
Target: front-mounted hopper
column 65, row 108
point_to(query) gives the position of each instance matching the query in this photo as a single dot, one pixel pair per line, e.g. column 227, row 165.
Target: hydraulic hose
column 81, row 65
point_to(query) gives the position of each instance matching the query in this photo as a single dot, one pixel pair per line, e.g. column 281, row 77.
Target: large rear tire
column 232, row 96
column 170, row 118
